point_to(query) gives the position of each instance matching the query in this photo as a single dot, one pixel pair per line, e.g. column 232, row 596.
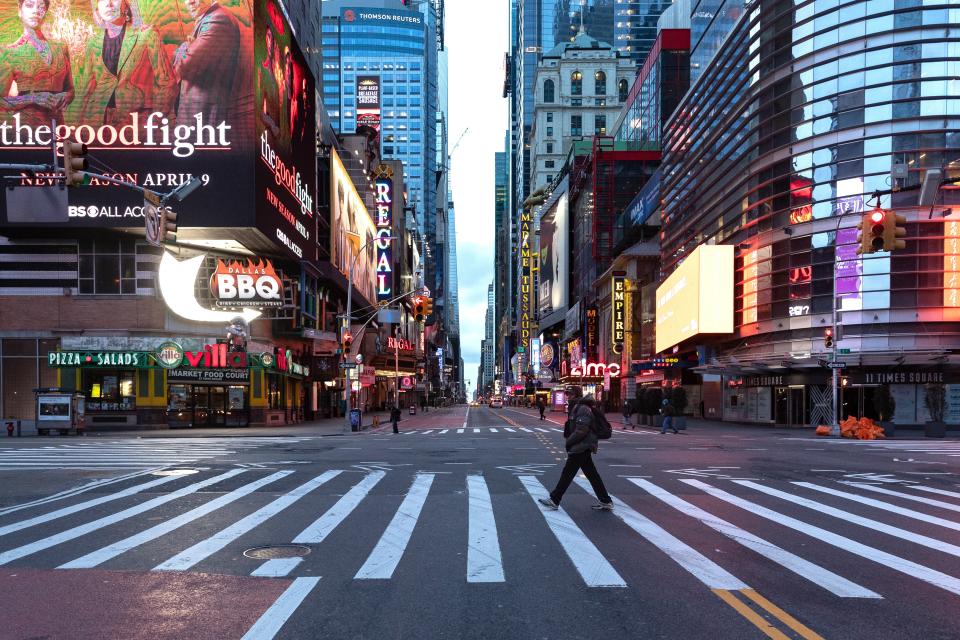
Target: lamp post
column 349, row 316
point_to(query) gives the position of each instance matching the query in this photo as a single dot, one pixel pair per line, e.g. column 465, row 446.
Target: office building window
column 624, row 89
column 576, row 125
column 549, row 116
column 549, row 147
column 548, row 91
column 600, row 125
column 549, row 132
column 600, row 83
column 576, row 83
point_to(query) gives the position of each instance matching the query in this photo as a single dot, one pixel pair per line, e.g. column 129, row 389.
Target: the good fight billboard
column 286, row 135
column 158, row 90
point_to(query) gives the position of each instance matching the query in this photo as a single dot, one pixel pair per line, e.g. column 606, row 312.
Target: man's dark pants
column 576, row 462
column 395, row 430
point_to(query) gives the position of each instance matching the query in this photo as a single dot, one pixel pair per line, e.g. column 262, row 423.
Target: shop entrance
column 207, row 406
column 857, row 401
column 791, row 406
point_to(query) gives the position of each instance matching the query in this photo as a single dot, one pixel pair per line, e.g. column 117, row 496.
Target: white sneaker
column 549, row 503
column 603, row 506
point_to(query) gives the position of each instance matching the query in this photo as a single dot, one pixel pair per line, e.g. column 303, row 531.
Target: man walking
column 627, row 412
column 395, row 418
column 667, row 412
column 581, row 444
column 541, row 407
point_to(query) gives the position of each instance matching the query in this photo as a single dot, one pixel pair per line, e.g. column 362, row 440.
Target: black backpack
column 600, row 425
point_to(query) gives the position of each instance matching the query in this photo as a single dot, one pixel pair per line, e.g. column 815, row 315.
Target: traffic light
column 872, row 230
column 74, row 163
column 828, row 337
column 427, row 307
column 168, row 225
column 419, row 309
column 891, row 232
column 347, row 341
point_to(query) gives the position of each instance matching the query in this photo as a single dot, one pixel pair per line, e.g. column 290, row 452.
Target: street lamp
column 349, row 317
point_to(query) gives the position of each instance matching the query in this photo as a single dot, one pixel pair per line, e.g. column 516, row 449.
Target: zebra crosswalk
column 510, row 431
column 371, row 526
column 130, row 453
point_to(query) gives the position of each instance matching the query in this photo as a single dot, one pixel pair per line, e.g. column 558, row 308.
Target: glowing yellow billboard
column 697, row 298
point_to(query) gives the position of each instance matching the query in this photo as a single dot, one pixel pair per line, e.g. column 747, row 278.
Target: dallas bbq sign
column 252, row 284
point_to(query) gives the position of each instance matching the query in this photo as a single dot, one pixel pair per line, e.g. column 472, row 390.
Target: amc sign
column 238, row 285
column 593, row 370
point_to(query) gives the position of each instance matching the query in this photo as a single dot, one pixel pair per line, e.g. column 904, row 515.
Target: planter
column 935, row 429
column 680, row 422
column 889, row 429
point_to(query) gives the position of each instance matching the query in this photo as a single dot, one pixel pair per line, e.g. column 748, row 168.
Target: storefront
column 168, row 386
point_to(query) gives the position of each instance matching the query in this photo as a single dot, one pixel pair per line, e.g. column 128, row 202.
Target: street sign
column 347, row 365
column 837, row 365
column 823, row 363
column 843, row 350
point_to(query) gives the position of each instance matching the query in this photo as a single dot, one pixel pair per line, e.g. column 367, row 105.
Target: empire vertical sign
column 618, row 316
column 384, row 221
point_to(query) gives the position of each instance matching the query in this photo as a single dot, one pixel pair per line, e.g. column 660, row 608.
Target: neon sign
column 592, row 369
column 618, row 318
column 384, row 221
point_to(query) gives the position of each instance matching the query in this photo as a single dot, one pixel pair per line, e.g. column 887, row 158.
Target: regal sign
column 618, row 315
column 384, row 221
column 399, row 344
column 237, row 285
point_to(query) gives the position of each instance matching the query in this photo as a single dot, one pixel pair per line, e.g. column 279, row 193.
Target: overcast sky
column 476, row 37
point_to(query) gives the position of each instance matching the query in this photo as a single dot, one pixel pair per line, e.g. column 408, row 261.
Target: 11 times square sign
column 220, row 92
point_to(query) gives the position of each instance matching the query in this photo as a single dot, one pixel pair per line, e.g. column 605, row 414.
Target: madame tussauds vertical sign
column 528, row 267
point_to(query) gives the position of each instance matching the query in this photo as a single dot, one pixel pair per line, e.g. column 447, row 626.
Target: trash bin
column 355, row 419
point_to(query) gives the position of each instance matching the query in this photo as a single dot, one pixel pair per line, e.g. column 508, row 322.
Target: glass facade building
column 399, row 46
column 799, row 113
column 635, row 26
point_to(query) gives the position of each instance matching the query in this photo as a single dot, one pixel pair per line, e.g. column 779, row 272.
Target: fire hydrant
column 9, row 429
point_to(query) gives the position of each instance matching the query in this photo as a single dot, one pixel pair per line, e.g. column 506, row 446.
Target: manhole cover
column 175, row 472
column 276, row 551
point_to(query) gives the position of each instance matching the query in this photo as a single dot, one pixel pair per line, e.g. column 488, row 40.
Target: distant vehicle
column 496, row 403
column 475, row 403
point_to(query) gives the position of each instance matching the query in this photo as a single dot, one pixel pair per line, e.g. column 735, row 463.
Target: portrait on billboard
column 351, row 228
column 554, row 235
column 158, row 90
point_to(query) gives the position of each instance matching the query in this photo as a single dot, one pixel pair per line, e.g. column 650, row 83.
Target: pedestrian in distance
column 585, row 427
column 395, row 418
column 541, row 407
column 667, row 411
column 627, row 412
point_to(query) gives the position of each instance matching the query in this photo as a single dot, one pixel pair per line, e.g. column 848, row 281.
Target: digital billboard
column 351, row 228
column 697, row 298
column 368, row 102
column 286, row 174
column 158, row 90
column 554, row 237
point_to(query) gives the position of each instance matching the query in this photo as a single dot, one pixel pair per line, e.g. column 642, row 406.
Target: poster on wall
column 553, row 259
column 286, row 174
column 351, row 228
column 158, row 90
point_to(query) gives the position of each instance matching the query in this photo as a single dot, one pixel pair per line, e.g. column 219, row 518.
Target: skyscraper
column 635, row 26
column 397, row 46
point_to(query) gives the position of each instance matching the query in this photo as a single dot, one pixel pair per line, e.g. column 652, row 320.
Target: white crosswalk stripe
column 604, row 551
column 131, row 453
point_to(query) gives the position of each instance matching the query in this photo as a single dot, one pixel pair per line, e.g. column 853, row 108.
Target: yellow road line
column 750, row 615
column 782, row 615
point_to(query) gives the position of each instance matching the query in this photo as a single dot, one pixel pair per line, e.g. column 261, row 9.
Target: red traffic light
column 877, row 216
column 828, row 332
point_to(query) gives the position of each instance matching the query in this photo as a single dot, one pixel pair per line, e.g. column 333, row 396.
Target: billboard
column 697, row 298
column 368, row 102
column 351, row 228
column 554, row 251
column 286, row 173
column 157, row 89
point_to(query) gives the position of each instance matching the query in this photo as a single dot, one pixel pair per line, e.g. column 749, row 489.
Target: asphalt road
column 435, row 533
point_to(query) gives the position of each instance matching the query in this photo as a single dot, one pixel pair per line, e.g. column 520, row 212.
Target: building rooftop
column 582, row 41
